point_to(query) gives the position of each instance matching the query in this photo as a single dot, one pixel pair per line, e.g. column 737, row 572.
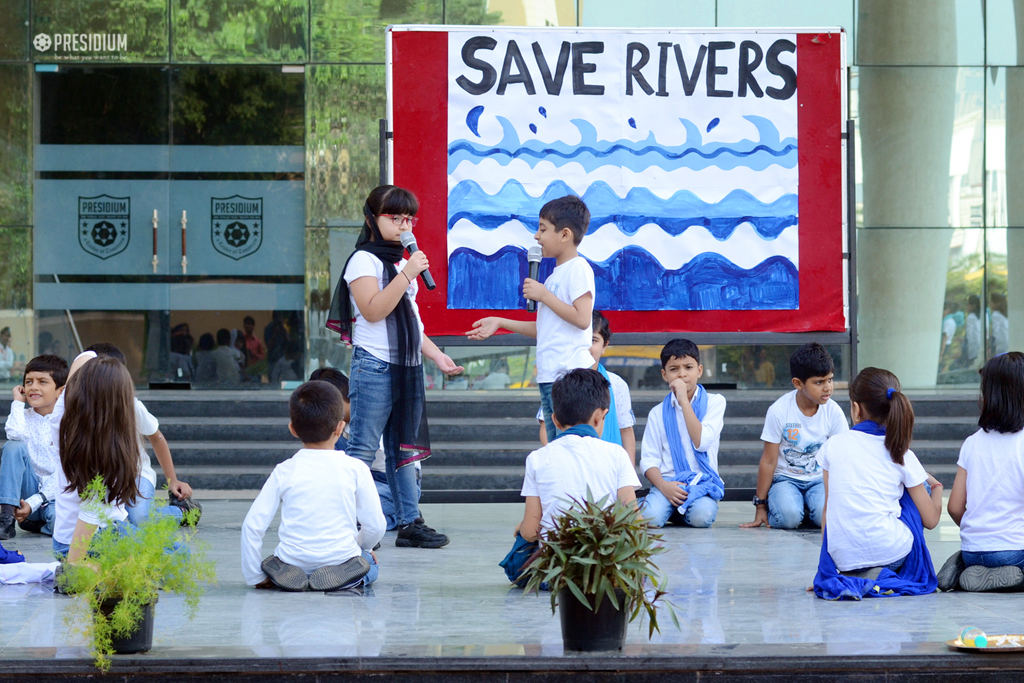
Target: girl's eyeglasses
column 411, row 221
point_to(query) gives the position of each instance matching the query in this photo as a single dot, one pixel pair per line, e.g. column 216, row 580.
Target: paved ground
column 730, row 586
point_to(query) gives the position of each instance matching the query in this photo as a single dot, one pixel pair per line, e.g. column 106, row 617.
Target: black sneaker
column 186, row 505
column 34, row 526
column 419, row 535
column 7, row 529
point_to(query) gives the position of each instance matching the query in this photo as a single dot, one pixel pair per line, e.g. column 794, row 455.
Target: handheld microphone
column 533, row 256
column 409, row 242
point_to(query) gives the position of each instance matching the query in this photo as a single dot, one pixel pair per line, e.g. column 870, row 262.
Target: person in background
column 7, row 356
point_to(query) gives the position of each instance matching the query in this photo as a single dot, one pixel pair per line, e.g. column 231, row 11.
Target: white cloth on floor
column 28, row 572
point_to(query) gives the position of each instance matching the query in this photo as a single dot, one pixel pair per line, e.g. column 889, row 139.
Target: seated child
column 377, row 469
column 575, row 462
column 179, row 493
column 618, row 427
column 679, row 455
column 28, row 469
column 323, row 495
column 987, row 500
column 795, row 427
column 875, row 499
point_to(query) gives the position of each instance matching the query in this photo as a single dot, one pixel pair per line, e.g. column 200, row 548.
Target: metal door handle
column 184, row 248
column 155, row 223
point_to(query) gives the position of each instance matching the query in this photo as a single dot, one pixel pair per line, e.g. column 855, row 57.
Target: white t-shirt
column 655, row 451
column 373, row 337
column 145, row 425
column 799, row 436
column 70, row 510
column 567, row 466
column 863, row 506
column 561, row 345
column 994, row 519
column 322, row 495
column 623, row 403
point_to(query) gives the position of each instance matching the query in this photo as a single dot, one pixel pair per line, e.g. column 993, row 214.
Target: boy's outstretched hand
column 760, row 519
column 483, row 328
column 446, row 365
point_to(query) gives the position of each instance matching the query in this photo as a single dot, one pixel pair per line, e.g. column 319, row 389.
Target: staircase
column 232, row 440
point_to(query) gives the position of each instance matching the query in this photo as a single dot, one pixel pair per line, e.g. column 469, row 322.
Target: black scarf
column 408, row 418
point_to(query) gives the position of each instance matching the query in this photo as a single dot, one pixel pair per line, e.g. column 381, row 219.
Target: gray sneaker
column 336, row 576
column 977, row 579
column 949, row 575
column 285, row 576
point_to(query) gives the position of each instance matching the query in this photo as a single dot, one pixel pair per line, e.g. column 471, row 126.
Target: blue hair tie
column 889, row 392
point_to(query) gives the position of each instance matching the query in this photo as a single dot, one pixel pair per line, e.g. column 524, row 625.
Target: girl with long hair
column 987, row 500
column 97, row 437
column 876, row 501
column 374, row 307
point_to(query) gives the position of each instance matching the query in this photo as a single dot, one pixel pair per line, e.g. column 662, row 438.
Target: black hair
column 577, row 394
column 391, row 199
column 223, row 337
column 880, row 397
column 568, row 212
column 55, row 366
column 105, row 350
column 811, row 360
column 181, row 344
column 206, row 342
column 6, row 329
column 248, row 320
column 601, row 326
column 337, row 378
column 974, row 304
column 679, row 348
column 1002, row 393
column 315, row 409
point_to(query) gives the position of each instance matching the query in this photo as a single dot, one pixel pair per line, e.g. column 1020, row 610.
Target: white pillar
column 906, row 128
column 1015, row 188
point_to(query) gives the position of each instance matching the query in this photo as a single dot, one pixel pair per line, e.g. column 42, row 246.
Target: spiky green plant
column 595, row 548
column 133, row 567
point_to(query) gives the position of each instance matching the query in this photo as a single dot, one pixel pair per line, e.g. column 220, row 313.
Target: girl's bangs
column 400, row 201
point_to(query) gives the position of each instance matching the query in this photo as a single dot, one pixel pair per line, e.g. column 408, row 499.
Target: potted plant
column 595, row 560
column 116, row 588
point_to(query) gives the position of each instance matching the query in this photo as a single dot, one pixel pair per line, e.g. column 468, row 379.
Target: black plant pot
column 584, row 630
column 139, row 640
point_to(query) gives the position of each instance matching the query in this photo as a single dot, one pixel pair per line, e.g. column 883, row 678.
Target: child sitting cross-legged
column 679, row 453
column 575, row 465
column 987, row 500
column 876, row 501
column 323, row 495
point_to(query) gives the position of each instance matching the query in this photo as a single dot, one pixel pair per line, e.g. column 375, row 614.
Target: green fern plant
column 132, row 568
column 594, row 549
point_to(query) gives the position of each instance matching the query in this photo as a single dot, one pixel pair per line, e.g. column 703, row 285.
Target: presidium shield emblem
column 104, row 224
column 236, row 225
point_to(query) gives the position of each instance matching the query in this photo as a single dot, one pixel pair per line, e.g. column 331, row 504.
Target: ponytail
column 878, row 393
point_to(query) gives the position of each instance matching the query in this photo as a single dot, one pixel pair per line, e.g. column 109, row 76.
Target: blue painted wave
column 639, row 207
column 631, row 280
column 592, row 153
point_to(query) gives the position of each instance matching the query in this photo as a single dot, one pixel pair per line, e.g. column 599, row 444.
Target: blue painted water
column 639, row 207
column 592, row 153
column 631, row 280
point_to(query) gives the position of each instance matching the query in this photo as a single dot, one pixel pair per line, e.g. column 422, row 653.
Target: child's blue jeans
column 547, row 408
column 144, row 504
column 18, row 481
column 372, row 404
column 788, row 498
column 657, row 509
column 994, row 558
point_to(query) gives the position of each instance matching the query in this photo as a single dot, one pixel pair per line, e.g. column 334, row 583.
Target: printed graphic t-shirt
column 799, row 436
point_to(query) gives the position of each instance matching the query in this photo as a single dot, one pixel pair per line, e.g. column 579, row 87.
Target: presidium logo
column 74, row 46
column 104, row 225
column 236, row 225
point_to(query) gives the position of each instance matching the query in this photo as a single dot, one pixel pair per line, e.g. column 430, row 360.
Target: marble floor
column 729, row 585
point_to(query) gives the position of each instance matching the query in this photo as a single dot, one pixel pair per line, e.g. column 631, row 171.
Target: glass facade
column 229, row 114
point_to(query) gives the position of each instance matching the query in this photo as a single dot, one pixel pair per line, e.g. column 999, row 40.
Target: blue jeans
column 387, row 503
column 657, row 510
column 18, row 481
column 547, row 408
column 372, row 400
column 788, row 498
column 138, row 513
column 994, row 558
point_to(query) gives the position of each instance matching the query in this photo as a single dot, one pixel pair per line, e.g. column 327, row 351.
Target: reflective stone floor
column 729, row 585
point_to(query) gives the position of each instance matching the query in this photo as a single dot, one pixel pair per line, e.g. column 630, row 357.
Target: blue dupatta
column 710, row 484
column 611, row 433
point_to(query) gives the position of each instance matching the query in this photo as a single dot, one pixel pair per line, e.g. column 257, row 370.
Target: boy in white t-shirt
column 330, row 512
column 679, row 452
column 790, row 487
column 565, row 300
column 618, row 426
column 576, row 462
